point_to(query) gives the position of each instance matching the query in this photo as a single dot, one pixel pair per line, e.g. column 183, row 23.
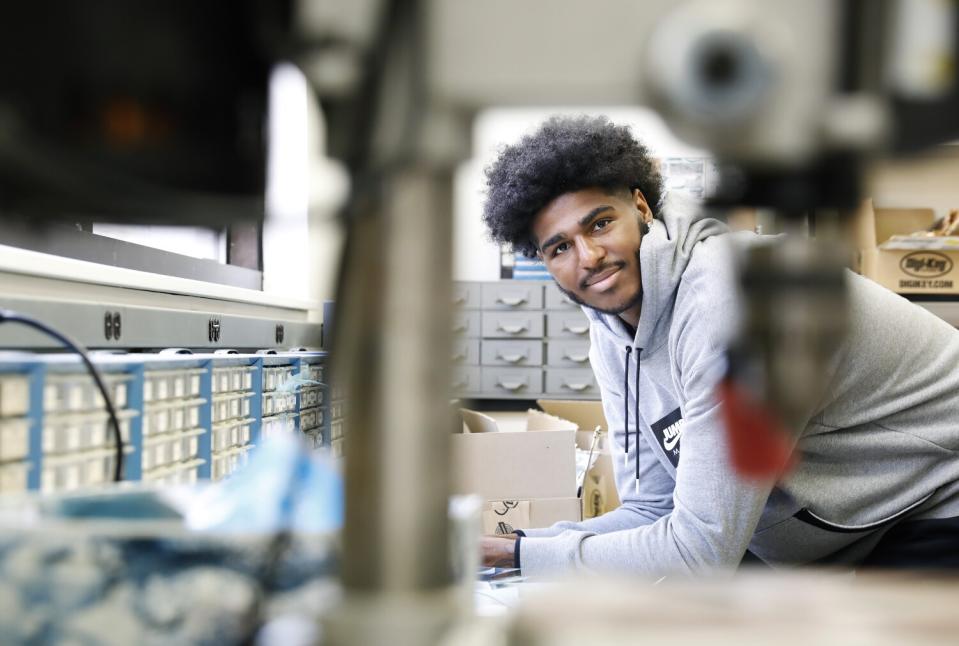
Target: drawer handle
column 459, row 356
column 460, row 385
column 578, row 358
column 460, row 328
column 577, row 387
column 512, row 329
column 459, row 300
column 512, row 301
column 576, row 329
column 511, row 385
column 511, row 358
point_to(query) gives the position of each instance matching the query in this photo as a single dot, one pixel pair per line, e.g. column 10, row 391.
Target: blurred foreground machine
column 793, row 99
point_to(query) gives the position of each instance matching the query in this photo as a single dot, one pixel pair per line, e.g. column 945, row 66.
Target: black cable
column 16, row 317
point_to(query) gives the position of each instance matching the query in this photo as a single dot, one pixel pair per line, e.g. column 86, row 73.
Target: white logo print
column 671, row 435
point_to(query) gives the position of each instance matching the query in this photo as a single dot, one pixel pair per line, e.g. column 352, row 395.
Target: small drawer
column 466, row 296
column 512, row 353
column 512, row 381
column 567, row 325
column 13, row 476
column 571, row 382
column 336, row 448
column 222, row 380
column 310, row 397
column 14, row 396
column 466, row 379
column 315, row 371
column 14, row 438
column 512, row 296
column 466, row 352
column 567, row 354
column 506, row 325
column 557, row 300
column 466, row 324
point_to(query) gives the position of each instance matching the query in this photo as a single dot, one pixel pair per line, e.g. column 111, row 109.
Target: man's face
column 589, row 241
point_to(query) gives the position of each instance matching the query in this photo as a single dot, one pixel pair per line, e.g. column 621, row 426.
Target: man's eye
column 601, row 224
column 560, row 248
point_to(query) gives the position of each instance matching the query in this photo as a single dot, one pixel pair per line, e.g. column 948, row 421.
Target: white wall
column 301, row 238
column 930, row 180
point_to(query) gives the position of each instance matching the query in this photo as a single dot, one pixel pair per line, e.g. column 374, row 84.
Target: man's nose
column 591, row 255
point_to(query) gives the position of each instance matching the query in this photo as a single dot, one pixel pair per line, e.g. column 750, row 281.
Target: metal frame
column 68, row 242
column 148, row 328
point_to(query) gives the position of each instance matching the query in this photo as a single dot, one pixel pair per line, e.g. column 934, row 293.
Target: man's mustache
column 619, row 264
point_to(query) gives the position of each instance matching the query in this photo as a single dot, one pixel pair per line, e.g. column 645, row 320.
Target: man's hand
column 497, row 551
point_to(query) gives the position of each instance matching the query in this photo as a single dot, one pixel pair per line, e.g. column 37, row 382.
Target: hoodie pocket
column 794, row 542
column 806, row 537
column 808, row 517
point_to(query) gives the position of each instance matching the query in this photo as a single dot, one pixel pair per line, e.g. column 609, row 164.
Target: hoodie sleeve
column 714, row 514
column 655, row 496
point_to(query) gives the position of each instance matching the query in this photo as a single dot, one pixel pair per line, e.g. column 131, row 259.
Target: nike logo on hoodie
column 668, row 432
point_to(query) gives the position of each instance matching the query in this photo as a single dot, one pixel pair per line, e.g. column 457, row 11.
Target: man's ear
column 639, row 200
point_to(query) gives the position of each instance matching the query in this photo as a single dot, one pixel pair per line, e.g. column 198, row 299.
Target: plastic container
column 14, row 395
column 14, row 438
column 78, row 392
column 13, row 476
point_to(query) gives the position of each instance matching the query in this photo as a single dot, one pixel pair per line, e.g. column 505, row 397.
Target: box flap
column 515, row 466
column 586, row 414
column 537, row 420
column 477, row 422
column 890, row 222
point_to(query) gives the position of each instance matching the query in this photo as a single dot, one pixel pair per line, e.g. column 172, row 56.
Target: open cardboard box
column 527, row 478
column 599, row 490
column 906, row 271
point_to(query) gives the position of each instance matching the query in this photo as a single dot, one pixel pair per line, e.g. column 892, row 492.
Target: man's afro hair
column 566, row 154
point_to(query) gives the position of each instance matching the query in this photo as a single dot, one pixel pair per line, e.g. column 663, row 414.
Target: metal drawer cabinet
column 512, row 381
column 466, row 324
column 466, row 296
column 516, row 325
column 567, row 325
column 567, row 354
column 513, row 353
column 557, row 300
column 466, row 380
column 571, row 382
column 465, row 352
column 512, row 296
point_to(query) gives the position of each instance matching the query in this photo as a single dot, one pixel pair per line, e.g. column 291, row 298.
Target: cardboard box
column 527, row 479
column 503, row 516
column 599, row 489
column 515, row 466
column 905, row 271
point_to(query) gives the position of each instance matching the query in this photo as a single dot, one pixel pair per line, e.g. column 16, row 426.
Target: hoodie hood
column 664, row 253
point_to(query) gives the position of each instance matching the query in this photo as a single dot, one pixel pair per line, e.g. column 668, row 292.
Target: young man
column 877, row 480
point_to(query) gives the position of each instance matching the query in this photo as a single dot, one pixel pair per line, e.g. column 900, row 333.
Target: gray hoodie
column 880, row 448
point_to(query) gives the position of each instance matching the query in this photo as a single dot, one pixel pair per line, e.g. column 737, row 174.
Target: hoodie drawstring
column 639, row 352
column 629, row 351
